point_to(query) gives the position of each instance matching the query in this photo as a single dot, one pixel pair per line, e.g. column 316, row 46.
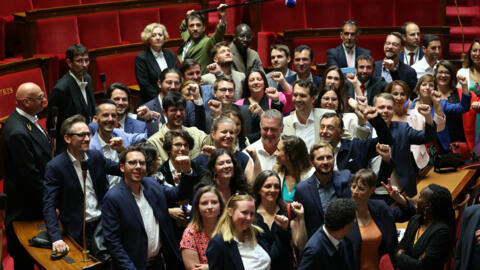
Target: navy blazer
column 62, row 190
column 402, row 158
column 401, row 55
column 225, row 255
column 306, row 193
column 67, row 97
column 147, row 72
column 385, row 218
column 132, row 126
column 375, row 86
column 433, row 245
column 336, row 56
column 123, row 228
column 464, row 256
column 319, row 253
column 355, row 154
column 317, row 80
column 404, row 72
column 194, row 115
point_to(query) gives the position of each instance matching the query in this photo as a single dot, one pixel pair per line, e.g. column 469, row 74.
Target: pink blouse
column 197, row 241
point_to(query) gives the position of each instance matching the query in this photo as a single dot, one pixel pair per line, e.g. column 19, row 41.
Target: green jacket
column 200, row 49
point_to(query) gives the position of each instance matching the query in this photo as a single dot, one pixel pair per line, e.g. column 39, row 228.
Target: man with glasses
column 65, row 182
column 345, row 54
column 137, row 229
column 391, row 68
column 25, row 152
column 72, row 94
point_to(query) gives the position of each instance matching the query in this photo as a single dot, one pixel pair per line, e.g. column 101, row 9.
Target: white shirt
column 422, row 67
column 352, row 64
column 307, row 131
column 160, row 58
column 173, row 171
column 152, row 227
column 267, row 161
column 332, row 239
column 253, row 257
column 82, row 84
column 92, row 210
column 335, row 154
column 111, row 154
column 185, row 48
column 31, row 118
column 406, row 58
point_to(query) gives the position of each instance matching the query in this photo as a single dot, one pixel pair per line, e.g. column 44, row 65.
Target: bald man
column 26, row 151
column 244, row 58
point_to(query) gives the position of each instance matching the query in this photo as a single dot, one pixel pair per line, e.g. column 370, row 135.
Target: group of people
column 225, row 167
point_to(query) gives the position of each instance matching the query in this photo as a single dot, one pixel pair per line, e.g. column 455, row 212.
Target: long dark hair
column 297, row 153
column 323, row 91
column 257, row 185
column 246, row 90
column 342, row 89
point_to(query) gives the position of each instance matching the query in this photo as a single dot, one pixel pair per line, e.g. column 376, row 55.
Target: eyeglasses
column 135, row 163
column 225, row 90
column 394, row 44
column 40, row 98
column 80, row 135
column 179, row 145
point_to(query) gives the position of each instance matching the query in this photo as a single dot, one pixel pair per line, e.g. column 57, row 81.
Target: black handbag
column 41, row 240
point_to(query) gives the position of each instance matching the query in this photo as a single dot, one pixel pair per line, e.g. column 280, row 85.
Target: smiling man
column 197, row 44
column 280, row 58
column 323, row 187
column 345, row 54
column 302, row 60
column 432, row 47
column 244, row 58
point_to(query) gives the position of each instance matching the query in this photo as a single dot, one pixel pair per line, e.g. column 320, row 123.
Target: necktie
column 411, row 57
column 362, row 87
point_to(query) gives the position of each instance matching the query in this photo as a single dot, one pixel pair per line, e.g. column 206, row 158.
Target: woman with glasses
column 151, row 62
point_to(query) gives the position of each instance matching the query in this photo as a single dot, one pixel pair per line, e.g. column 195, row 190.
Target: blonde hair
column 147, row 32
column 225, row 226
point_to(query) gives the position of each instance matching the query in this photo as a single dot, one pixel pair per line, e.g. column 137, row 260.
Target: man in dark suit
column 345, row 54
column 25, row 152
column 412, row 52
column 149, row 63
column 73, row 93
column 169, row 81
column 365, row 82
column 328, row 248
column 391, row 68
column 136, row 225
column 323, row 187
column 467, row 254
column 65, row 182
column 302, row 60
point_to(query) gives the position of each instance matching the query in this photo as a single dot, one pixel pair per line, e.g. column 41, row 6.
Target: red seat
column 172, row 16
column 9, row 7
column 265, row 41
column 9, row 84
column 277, row 17
column 132, row 22
column 66, row 34
column 319, row 13
column 373, row 12
column 99, row 30
column 117, row 68
column 8, row 34
column 234, row 16
column 423, row 12
column 319, row 47
column 373, row 44
column 54, row 3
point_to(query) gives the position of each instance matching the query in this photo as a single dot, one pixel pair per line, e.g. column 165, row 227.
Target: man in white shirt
column 432, row 47
column 411, row 53
column 305, row 121
column 271, row 126
column 137, row 229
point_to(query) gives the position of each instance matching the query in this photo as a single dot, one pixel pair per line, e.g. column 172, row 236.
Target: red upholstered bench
column 8, row 35
column 9, row 84
column 276, row 17
column 172, row 16
column 319, row 47
column 326, row 13
column 117, row 68
column 132, row 22
column 374, row 44
column 372, row 12
column 99, row 29
column 54, row 3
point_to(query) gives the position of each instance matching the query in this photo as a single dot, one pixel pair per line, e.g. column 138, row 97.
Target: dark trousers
column 21, row 258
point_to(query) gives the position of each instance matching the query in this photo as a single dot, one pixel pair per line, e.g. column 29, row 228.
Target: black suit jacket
column 25, row 152
column 403, row 72
column 337, row 57
column 375, row 86
column 67, row 97
column 147, row 72
column 464, row 254
column 434, row 245
column 62, row 191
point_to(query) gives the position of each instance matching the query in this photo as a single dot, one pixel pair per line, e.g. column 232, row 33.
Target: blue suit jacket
column 337, row 57
column 132, row 126
column 62, row 190
column 401, row 55
column 123, row 228
column 225, row 255
column 464, row 255
column 404, row 72
column 128, row 138
column 319, row 253
column 385, row 218
column 317, row 80
column 194, row 115
column 307, row 194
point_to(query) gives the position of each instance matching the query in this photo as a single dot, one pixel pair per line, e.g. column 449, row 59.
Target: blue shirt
column 288, row 196
column 326, row 192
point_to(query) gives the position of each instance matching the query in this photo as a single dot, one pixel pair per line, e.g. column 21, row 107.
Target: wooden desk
column 455, row 182
column 25, row 230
